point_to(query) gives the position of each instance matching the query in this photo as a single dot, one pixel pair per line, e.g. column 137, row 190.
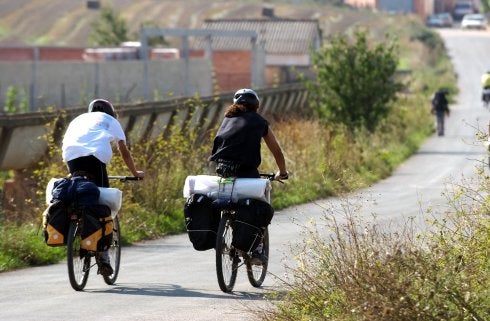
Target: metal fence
column 23, row 137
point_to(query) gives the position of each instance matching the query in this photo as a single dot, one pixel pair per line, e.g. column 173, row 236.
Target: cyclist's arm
column 128, row 159
column 276, row 150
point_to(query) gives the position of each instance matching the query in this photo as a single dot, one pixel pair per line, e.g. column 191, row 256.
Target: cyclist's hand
column 281, row 177
column 140, row 174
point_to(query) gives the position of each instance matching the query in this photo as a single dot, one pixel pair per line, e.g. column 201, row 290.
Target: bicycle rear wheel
column 114, row 252
column 78, row 260
column 226, row 256
column 256, row 273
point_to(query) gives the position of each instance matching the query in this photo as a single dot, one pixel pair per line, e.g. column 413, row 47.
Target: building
column 285, row 50
column 422, row 8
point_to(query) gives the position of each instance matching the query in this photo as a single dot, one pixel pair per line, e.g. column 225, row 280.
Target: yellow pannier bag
column 56, row 222
column 97, row 228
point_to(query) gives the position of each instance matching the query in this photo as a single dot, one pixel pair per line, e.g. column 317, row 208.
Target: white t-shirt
column 91, row 134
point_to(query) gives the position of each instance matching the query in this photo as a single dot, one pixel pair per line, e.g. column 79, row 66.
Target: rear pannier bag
column 201, row 222
column 251, row 218
column 76, row 190
column 56, row 223
column 97, row 228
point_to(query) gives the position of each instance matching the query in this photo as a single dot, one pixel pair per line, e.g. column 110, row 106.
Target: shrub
column 355, row 83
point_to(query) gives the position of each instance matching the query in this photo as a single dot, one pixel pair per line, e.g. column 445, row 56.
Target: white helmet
column 247, row 96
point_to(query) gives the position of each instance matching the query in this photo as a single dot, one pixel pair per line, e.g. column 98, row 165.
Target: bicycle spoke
column 226, row 258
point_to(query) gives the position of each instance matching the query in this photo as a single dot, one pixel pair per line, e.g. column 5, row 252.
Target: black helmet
column 102, row 105
column 246, row 96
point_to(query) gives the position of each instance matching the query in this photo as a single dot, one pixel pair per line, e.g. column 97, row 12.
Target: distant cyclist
column 485, row 84
column 440, row 108
column 236, row 147
column 87, row 150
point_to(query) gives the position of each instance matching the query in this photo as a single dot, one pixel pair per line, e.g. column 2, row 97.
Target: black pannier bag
column 56, row 223
column 251, row 218
column 97, row 228
column 201, row 222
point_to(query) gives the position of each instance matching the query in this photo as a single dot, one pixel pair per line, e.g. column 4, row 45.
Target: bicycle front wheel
column 226, row 256
column 78, row 259
column 256, row 273
column 114, row 252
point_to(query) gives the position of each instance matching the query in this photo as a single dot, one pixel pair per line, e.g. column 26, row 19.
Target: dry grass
column 351, row 267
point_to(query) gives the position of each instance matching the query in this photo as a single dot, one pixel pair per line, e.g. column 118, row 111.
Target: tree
column 109, row 29
column 355, row 83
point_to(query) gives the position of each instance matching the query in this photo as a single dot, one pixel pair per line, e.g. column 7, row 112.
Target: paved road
column 167, row 280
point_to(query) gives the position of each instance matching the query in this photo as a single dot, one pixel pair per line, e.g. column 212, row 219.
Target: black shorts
column 231, row 169
column 93, row 166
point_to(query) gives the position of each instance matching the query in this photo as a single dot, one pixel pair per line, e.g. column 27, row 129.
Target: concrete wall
column 72, row 84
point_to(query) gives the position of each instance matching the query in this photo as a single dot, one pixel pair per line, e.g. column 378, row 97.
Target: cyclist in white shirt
column 87, row 142
column 87, row 150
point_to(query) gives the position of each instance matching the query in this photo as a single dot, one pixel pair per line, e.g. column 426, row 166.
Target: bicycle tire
column 226, row 258
column 256, row 273
column 114, row 252
column 78, row 264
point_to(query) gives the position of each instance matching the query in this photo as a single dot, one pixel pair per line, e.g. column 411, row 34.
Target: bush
column 355, row 83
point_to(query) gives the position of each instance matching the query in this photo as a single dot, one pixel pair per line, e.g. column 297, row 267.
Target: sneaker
column 258, row 258
column 105, row 269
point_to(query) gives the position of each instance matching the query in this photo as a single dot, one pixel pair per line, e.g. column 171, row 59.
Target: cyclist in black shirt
column 236, row 147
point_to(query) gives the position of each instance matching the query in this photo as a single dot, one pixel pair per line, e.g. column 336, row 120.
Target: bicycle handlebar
column 125, row 178
column 271, row 177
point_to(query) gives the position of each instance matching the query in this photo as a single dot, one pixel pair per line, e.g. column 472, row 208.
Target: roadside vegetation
column 325, row 158
column 434, row 266
column 351, row 267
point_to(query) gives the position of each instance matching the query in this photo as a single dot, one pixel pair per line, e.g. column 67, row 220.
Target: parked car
column 440, row 20
column 474, row 21
column 462, row 8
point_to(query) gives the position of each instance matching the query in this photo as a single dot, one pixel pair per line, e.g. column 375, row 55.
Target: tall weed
column 354, row 268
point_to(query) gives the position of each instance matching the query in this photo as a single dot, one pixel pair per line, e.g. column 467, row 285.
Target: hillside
column 68, row 23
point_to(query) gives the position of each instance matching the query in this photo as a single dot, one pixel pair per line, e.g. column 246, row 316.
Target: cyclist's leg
column 259, row 256
column 440, row 119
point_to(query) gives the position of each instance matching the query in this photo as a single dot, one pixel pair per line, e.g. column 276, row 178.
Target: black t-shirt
column 439, row 102
column 238, row 139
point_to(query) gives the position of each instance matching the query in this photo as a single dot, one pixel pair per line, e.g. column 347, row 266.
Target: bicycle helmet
column 246, row 96
column 102, row 105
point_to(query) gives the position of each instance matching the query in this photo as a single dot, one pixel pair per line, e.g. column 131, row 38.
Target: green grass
column 21, row 246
